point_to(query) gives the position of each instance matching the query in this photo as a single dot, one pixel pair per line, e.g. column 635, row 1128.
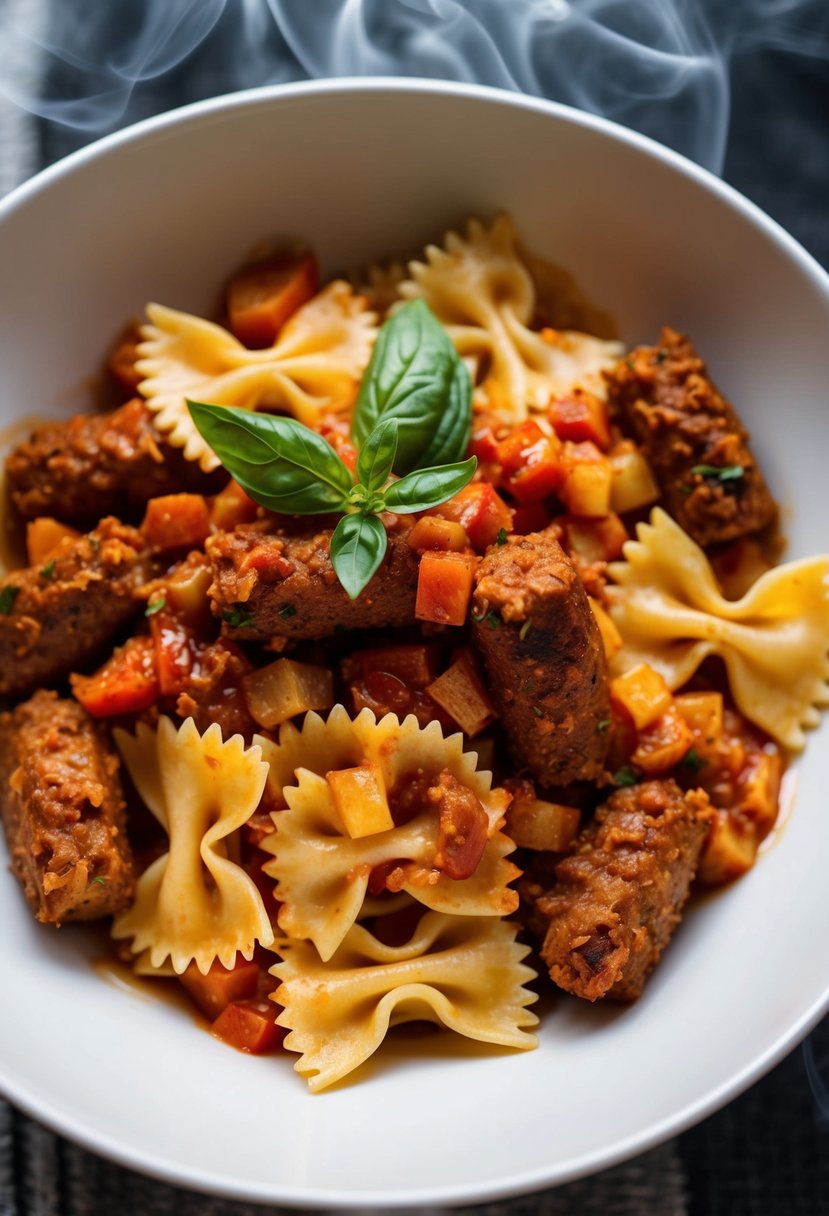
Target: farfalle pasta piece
column 774, row 641
column 465, row 973
column 314, row 365
column 195, row 902
column 322, row 874
column 482, row 292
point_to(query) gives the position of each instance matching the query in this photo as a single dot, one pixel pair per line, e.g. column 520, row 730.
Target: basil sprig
column 413, row 418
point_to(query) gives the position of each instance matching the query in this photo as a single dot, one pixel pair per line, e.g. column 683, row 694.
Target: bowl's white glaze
column 365, row 170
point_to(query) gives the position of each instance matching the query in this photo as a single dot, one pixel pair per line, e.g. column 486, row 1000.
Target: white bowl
column 364, row 170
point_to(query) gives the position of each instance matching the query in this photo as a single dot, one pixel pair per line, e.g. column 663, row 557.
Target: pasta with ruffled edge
column 463, row 972
column 315, row 364
column 481, row 291
column 322, row 874
column 194, row 903
column 774, row 641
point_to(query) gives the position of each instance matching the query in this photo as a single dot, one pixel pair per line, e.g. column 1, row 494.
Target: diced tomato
column 176, row 521
column 175, row 653
column 271, row 566
column 249, row 1026
column 415, row 663
column 262, row 296
column 383, row 693
column 531, row 462
column 231, row 507
column 531, row 517
column 432, row 532
column 444, row 587
column 663, row 743
column 212, row 993
column 126, row 684
column 463, row 828
column 480, row 511
column 581, row 416
column 484, row 445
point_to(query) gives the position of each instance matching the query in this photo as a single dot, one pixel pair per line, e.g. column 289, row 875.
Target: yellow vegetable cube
column 286, row 688
column 642, row 694
column 633, row 484
column 360, row 798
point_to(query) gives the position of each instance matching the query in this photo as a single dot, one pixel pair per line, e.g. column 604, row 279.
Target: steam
column 660, row 66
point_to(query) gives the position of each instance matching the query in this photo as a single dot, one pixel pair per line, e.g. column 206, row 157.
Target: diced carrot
column 231, row 507
column 642, row 694
column 249, row 1026
column 212, row 993
column 432, row 532
column 461, row 692
column 480, row 511
column 662, row 743
column 607, row 628
column 360, row 798
column 596, row 540
column 122, row 360
column 262, row 296
column 175, row 652
column 444, row 587
column 531, row 517
column 126, row 684
column 531, row 461
column 44, row 536
column 286, row 688
column 633, row 484
column 581, row 416
column 176, row 521
column 587, row 480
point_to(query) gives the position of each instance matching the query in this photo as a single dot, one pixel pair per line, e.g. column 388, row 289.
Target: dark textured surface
column 767, row 1153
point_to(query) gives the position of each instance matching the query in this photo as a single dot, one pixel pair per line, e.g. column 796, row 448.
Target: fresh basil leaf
column 416, row 376
column 374, row 464
column 281, row 464
column 427, row 487
column 358, row 546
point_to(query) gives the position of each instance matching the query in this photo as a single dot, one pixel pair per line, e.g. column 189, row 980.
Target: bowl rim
column 91, row 1138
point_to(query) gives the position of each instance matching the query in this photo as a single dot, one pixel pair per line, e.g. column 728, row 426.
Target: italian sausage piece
column 618, row 897
column 100, row 464
column 270, row 584
column 57, row 617
column 544, row 657
column 63, row 811
column 682, row 422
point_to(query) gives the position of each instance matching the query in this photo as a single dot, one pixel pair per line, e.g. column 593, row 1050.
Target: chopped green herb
column 7, row 597
column 528, row 685
column 538, row 711
column 48, row 570
column 525, row 628
column 728, row 472
column 237, row 618
column 625, row 776
column 685, row 489
column 155, row 606
column 661, row 356
column 287, row 612
column 100, row 879
column 629, row 362
column 338, row 628
column 501, row 538
column 602, row 725
column 94, row 543
column 492, row 619
column 692, row 760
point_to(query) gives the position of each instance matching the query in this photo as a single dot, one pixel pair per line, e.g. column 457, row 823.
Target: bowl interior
column 366, row 173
